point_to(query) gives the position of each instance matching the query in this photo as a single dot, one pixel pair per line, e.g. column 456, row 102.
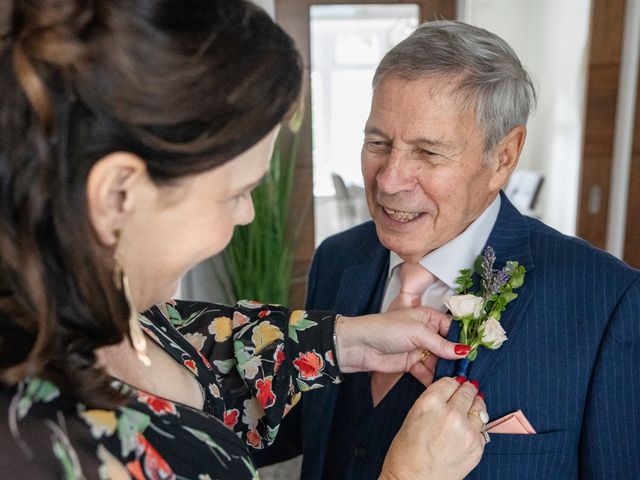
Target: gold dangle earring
column 136, row 335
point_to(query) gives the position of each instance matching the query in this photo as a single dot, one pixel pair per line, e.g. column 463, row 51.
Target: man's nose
column 396, row 174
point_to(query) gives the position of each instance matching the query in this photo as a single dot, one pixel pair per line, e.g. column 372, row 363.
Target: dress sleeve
column 264, row 357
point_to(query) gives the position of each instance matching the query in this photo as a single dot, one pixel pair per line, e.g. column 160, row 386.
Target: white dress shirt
column 446, row 261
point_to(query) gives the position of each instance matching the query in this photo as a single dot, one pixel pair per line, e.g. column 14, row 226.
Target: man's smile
column 401, row 216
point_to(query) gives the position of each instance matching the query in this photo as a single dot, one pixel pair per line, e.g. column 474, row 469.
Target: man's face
column 422, row 162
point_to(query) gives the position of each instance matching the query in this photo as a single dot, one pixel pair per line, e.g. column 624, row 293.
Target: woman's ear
column 112, row 189
column 507, row 154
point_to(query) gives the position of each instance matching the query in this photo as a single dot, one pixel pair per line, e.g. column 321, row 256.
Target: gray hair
column 492, row 80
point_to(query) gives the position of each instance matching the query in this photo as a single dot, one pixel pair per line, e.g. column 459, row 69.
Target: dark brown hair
column 185, row 84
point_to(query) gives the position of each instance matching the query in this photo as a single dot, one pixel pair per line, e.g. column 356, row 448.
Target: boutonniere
column 479, row 309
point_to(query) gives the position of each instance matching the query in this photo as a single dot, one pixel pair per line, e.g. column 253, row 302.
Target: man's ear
column 506, row 156
column 112, row 185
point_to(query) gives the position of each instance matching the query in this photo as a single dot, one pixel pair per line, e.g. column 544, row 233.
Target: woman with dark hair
column 131, row 135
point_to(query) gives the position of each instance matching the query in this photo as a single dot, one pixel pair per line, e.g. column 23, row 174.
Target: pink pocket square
column 511, row 423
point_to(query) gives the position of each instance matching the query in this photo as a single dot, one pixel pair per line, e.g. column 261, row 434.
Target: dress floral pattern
column 253, row 361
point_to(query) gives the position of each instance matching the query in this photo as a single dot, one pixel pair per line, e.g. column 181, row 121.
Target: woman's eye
column 241, row 196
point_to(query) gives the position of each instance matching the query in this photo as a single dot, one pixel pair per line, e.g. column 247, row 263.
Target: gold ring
column 425, row 354
column 481, row 414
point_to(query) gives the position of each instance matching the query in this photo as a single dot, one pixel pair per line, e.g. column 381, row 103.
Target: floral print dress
column 252, row 361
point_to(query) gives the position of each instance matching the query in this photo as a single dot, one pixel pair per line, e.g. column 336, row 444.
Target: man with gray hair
column 446, row 128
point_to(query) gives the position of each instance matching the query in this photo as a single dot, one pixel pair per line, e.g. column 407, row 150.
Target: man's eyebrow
column 374, row 131
column 432, row 142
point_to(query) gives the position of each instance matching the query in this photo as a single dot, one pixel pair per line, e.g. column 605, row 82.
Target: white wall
column 550, row 37
column 268, row 5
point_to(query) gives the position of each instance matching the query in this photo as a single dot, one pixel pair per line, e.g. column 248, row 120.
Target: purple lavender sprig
column 493, row 280
column 488, row 262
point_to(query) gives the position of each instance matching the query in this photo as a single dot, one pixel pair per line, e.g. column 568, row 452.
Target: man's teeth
column 401, row 216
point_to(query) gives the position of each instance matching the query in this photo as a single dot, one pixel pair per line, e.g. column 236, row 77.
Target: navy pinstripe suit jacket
column 570, row 363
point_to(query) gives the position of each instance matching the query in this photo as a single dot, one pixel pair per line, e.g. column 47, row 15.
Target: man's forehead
column 442, row 86
column 426, row 109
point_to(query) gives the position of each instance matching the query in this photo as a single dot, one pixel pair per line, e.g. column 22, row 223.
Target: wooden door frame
column 294, row 17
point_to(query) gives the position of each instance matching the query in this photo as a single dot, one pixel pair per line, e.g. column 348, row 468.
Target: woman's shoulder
column 148, row 437
column 46, row 436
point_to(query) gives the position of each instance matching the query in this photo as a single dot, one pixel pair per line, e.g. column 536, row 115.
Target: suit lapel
column 362, row 286
column 510, row 238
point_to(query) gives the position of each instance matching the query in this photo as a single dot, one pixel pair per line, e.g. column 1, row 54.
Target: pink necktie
column 414, row 281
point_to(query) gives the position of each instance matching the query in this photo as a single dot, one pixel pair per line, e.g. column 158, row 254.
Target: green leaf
column 472, row 356
column 130, row 423
column 36, row 390
column 477, row 265
column 302, row 324
column 305, row 387
column 251, row 468
column 464, row 281
column 242, row 355
column 64, row 457
column 517, row 276
column 509, row 296
column 516, row 282
column 293, row 334
column 225, row 366
column 208, row 441
column 272, row 432
column 176, row 318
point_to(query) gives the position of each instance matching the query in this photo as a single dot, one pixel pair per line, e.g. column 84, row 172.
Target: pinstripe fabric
column 569, row 364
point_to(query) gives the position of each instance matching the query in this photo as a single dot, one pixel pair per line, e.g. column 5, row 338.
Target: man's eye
column 426, row 153
column 377, row 146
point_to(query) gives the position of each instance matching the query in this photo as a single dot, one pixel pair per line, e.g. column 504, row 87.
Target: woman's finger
column 434, row 319
column 478, row 413
column 440, row 346
column 463, row 397
column 443, row 389
column 424, row 371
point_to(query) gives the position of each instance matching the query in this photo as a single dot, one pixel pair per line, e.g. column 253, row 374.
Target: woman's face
column 173, row 228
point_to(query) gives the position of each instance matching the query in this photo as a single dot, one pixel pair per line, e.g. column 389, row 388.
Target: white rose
column 493, row 335
column 464, row 305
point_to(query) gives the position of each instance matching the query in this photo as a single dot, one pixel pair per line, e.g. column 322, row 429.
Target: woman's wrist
column 342, row 342
column 385, row 474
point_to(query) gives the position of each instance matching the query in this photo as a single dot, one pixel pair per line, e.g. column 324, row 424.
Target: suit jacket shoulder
column 350, row 265
column 573, row 260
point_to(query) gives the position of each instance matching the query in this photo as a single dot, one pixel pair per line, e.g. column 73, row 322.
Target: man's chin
column 411, row 248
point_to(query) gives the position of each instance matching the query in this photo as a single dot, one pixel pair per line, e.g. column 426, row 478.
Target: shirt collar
column 445, row 262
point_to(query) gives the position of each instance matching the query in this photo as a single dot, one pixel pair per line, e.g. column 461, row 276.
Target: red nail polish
column 475, row 383
column 462, row 349
column 461, row 379
column 481, row 395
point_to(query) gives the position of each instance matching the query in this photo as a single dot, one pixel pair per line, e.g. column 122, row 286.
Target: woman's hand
column 394, row 341
column 440, row 438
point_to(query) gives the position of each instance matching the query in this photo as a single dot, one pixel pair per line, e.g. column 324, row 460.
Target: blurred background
column 580, row 168
column 579, row 171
